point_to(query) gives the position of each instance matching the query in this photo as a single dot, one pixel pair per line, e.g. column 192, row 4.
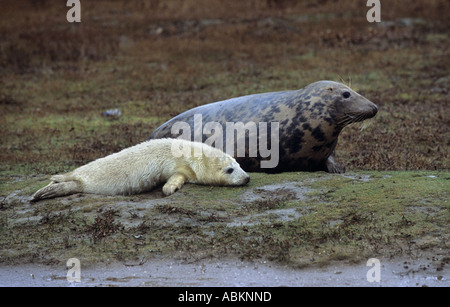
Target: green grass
column 343, row 218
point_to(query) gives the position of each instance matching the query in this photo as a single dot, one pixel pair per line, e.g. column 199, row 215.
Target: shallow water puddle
column 404, row 273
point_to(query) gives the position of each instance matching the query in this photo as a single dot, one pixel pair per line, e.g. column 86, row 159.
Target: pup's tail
column 56, row 189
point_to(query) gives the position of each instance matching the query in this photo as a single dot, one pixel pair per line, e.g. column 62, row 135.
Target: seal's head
column 347, row 106
column 214, row 167
column 225, row 171
column 233, row 174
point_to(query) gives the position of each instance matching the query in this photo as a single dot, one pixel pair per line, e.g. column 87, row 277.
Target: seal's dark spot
column 295, row 142
column 267, row 118
column 318, row 134
column 275, row 109
column 329, row 144
column 302, row 105
column 313, row 115
column 336, row 132
column 320, row 105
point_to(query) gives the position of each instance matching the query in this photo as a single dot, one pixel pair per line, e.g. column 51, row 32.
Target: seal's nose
column 374, row 109
column 247, row 180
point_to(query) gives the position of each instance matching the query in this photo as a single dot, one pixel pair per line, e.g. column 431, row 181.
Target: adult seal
column 309, row 121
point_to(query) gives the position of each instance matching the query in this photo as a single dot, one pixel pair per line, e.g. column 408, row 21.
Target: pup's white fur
column 147, row 165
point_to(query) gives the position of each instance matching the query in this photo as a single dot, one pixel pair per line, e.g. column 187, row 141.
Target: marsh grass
column 156, row 59
column 57, row 78
column 344, row 218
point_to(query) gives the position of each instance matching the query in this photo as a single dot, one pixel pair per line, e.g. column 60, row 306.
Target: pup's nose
column 247, row 180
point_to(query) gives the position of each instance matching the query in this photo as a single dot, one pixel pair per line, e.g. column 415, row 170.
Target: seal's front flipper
column 174, row 183
column 56, row 189
column 333, row 166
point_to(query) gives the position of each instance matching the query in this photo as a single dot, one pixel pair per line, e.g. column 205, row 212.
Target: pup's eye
column 346, row 95
column 230, row 170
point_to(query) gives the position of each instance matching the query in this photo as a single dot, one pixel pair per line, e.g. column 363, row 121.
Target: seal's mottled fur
column 310, row 120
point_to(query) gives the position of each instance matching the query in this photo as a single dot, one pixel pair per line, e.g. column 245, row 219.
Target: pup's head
column 219, row 168
column 231, row 173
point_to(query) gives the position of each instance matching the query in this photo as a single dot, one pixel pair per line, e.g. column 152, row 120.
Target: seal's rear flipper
column 56, row 189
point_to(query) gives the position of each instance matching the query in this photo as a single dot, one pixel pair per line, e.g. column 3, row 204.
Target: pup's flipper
column 56, row 189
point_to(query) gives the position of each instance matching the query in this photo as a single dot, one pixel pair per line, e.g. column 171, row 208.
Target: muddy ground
column 230, row 273
column 155, row 59
column 301, row 224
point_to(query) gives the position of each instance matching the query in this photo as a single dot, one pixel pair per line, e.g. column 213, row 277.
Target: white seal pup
column 140, row 168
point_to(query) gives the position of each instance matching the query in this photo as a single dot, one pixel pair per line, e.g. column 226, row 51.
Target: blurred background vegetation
column 155, row 59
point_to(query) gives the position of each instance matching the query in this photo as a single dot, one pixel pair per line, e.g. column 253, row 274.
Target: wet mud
column 302, row 230
column 231, row 273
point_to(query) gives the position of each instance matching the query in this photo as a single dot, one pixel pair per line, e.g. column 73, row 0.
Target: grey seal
column 309, row 121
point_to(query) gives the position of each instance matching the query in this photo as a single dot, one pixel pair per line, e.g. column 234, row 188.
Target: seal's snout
column 374, row 108
column 366, row 108
column 369, row 111
column 243, row 180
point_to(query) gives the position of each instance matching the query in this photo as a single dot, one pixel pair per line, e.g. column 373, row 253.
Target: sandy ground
column 234, row 273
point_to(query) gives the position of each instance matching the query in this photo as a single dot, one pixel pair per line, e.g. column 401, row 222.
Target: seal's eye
column 230, row 170
column 346, row 95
